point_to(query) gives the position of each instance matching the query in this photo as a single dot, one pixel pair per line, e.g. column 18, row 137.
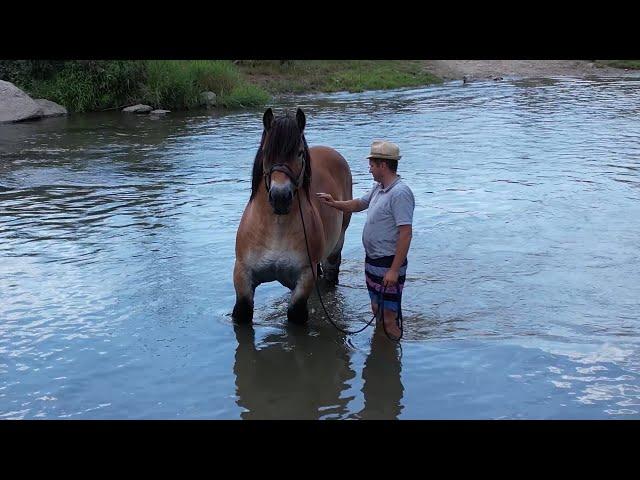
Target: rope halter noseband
column 284, row 168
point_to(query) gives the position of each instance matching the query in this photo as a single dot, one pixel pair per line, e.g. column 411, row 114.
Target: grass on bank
column 631, row 64
column 335, row 75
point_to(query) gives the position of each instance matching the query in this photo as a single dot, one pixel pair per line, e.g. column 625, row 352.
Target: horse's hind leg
column 243, row 309
column 298, row 311
column 331, row 266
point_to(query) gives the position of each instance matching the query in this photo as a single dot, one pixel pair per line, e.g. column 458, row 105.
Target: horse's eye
column 301, row 153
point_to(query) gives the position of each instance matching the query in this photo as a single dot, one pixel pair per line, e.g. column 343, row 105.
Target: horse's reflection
column 302, row 374
column 294, row 374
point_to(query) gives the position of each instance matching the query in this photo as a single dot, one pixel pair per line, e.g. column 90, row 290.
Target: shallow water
column 117, row 246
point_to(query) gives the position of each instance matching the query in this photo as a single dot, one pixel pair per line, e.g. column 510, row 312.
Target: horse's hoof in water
column 331, row 276
column 243, row 311
column 298, row 313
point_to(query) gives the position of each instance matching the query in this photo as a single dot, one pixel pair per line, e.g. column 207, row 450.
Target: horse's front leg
column 245, row 289
column 298, row 311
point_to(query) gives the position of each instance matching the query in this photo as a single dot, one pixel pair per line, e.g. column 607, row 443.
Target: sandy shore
column 485, row 69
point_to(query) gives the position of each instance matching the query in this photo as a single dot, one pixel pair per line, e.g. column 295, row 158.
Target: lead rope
column 380, row 301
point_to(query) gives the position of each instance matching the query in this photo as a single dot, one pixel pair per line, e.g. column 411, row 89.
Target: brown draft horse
column 270, row 242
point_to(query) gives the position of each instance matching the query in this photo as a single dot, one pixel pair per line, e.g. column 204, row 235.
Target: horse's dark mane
column 257, row 173
column 283, row 140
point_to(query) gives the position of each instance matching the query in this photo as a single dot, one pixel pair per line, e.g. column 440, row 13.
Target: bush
column 177, row 84
column 86, row 85
column 23, row 72
column 169, row 84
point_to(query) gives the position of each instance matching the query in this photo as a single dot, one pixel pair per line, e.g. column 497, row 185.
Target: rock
column 49, row 108
column 138, row 109
column 497, row 79
column 160, row 112
column 15, row 105
column 208, row 99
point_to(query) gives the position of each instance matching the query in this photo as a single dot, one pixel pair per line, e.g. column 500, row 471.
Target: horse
column 285, row 234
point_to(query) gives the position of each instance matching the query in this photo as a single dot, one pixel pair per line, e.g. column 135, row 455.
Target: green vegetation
column 335, row 75
column 632, row 64
column 90, row 85
column 93, row 85
column 177, row 84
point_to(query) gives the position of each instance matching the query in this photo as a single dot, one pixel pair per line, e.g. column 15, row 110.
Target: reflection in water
column 304, row 372
column 382, row 387
column 298, row 374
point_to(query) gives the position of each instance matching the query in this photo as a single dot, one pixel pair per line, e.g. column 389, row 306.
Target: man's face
column 376, row 170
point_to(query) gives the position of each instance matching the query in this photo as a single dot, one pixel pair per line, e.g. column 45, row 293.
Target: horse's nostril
column 280, row 196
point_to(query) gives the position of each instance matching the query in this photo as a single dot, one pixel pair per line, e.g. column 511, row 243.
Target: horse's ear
column 267, row 119
column 301, row 119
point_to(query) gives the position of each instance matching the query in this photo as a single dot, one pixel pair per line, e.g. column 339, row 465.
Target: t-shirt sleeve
column 402, row 206
column 366, row 198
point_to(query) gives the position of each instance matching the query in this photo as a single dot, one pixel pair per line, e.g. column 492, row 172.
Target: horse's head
column 282, row 160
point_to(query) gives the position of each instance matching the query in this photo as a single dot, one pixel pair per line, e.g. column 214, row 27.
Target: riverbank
column 96, row 85
column 489, row 69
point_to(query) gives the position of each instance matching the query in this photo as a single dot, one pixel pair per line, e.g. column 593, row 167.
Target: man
column 387, row 232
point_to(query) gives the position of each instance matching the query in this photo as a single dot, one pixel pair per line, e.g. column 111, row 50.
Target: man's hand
column 390, row 278
column 327, row 199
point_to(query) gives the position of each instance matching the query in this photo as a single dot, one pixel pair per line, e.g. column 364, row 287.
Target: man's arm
column 405, row 232
column 354, row 205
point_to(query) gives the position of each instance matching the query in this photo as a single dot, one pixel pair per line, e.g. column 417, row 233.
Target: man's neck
column 388, row 180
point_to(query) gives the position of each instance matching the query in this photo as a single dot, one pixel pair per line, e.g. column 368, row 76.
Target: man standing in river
column 387, row 232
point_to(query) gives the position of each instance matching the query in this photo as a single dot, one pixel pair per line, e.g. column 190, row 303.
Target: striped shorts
column 374, row 270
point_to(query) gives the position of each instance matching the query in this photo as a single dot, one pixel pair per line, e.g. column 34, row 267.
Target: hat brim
column 383, row 157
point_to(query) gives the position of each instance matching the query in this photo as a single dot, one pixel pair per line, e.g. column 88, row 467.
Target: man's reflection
column 382, row 388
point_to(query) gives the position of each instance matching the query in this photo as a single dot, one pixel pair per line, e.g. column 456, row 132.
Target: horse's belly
column 283, row 267
column 332, row 225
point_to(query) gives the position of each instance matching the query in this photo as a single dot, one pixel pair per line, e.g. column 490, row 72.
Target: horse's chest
column 283, row 266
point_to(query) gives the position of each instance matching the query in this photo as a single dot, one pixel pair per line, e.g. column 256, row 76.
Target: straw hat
column 384, row 150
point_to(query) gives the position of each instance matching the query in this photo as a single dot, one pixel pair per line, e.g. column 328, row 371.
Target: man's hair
column 392, row 164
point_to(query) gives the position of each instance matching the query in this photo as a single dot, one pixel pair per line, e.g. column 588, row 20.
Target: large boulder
column 138, row 109
column 15, row 105
column 49, row 108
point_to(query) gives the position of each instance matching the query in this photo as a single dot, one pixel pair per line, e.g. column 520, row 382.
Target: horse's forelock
column 280, row 141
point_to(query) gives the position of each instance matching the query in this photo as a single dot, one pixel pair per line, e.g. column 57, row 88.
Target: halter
column 281, row 167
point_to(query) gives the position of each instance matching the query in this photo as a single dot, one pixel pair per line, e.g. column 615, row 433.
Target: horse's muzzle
column 281, row 199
